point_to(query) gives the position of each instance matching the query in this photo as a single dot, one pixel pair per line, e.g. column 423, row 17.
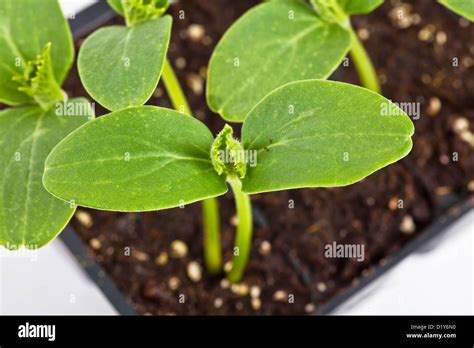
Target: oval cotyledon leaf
column 319, row 133
column 272, row 44
column 463, row 8
column 121, row 66
column 137, row 159
column 29, row 215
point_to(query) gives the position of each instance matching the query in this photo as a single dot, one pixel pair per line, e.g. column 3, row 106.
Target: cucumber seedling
column 284, row 41
column 36, row 52
column 120, row 67
column 311, row 133
column 281, row 41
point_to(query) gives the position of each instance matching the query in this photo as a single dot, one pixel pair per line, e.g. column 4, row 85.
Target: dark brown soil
column 414, row 59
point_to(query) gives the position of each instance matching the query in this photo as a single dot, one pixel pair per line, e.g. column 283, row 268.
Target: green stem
column 363, row 63
column 243, row 241
column 210, row 207
column 212, row 240
column 175, row 92
column 365, row 68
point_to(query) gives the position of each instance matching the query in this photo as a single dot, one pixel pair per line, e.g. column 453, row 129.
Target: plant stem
column 243, row 240
column 363, row 63
column 210, row 206
column 175, row 92
column 365, row 68
column 212, row 240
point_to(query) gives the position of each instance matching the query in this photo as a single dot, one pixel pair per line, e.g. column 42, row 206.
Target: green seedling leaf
column 353, row 7
column 117, row 6
column 121, row 66
column 29, row 215
column 463, row 8
column 137, row 159
column 38, row 81
column 322, row 134
column 26, row 27
column 272, row 44
column 140, row 11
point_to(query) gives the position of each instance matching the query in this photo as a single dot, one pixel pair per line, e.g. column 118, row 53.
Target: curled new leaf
column 26, row 27
column 137, row 159
column 227, row 154
column 322, row 134
column 272, row 44
column 140, row 11
column 38, row 80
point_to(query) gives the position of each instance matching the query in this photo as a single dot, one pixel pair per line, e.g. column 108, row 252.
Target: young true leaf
column 226, row 146
column 322, row 134
column 352, row 7
column 23, row 35
column 29, row 215
column 272, row 44
column 137, row 11
column 140, row 11
column 38, row 81
column 137, row 159
column 463, row 8
column 121, row 66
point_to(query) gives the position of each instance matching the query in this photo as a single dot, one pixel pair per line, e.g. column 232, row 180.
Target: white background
column 436, row 280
